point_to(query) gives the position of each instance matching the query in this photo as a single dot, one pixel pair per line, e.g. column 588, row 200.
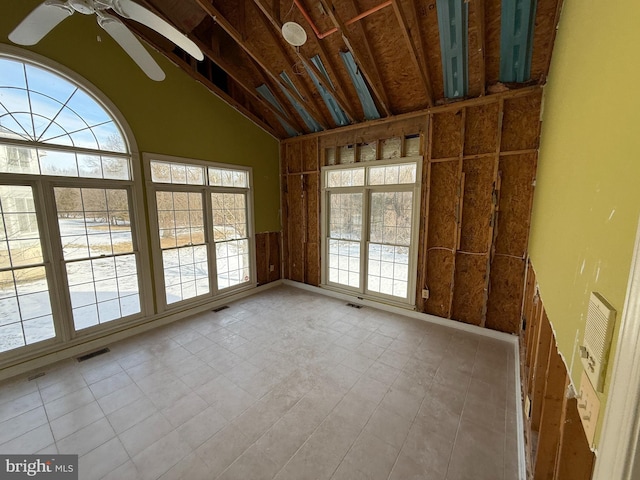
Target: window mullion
column 364, row 239
column 208, row 235
column 59, row 291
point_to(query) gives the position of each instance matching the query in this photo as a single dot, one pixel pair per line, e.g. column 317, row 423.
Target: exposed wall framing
column 268, row 257
column 557, row 446
column 478, row 176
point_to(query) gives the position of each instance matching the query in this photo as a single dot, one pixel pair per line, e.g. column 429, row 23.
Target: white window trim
column 66, row 335
column 152, row 187
column 365, row 190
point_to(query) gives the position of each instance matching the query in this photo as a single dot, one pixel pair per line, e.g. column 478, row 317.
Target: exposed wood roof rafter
column 375, row 80
column 417, row 52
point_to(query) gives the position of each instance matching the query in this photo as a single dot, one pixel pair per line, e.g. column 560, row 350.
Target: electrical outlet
column 425, row 293
column 588, row 407
column 272, row 268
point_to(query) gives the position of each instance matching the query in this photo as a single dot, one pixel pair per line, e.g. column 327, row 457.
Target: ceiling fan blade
column 130, row 44
column 133, row 11
column 40, row 22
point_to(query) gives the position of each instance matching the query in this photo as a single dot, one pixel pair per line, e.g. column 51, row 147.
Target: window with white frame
column 66, row 209
column 370, row 227
column 202, row 213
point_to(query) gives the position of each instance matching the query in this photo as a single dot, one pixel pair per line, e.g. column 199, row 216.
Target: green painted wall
column 587, row 197
column 178, row 116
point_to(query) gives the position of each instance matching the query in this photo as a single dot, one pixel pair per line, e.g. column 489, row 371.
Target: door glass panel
column 390, row 237
column 345, row 234
column 230, row 234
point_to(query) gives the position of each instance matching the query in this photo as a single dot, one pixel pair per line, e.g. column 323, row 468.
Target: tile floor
column 285, row 384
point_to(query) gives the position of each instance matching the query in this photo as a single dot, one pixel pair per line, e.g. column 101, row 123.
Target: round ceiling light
column 294, row 34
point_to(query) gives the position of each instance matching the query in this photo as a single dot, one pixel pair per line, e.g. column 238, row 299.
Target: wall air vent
column 597, row 339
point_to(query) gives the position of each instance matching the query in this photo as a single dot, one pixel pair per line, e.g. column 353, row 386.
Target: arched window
column 69, row 259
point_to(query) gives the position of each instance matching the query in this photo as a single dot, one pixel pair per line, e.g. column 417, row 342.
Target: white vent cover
column 597, row 339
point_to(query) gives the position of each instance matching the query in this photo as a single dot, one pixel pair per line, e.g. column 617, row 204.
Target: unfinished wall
column 587, row 203
column 556, row 445
column 478, row 172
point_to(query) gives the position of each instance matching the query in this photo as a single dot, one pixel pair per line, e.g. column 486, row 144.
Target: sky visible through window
column 37, row 105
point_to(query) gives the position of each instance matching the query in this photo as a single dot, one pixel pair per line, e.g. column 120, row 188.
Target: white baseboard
column 485, row 332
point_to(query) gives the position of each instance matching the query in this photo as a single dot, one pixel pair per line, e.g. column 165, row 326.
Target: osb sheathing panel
column 475, row 59
column 309, row 153
column 312, row 187
column 443, row 201
column 274, row 255
column 293, row 157
column 404, row 90
column 469, row 288
column 542, row 37
column 521, row 123
column 312, row 270
column 505, row 294
column 296, row 228
column 428, row 23
column 262, row 267
column 447, row 134
column 371, row 133
column 439, row 275
column 481, row 129
column 516, row 191
column 492, row 40
column 476, row 207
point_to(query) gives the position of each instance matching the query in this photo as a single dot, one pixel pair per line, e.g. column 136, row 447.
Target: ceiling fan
column 52, row 12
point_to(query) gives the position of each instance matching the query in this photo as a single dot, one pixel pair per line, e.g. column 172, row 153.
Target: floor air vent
column 92, row 354
column 219, row 309
column 37, row 375
column 353, row 305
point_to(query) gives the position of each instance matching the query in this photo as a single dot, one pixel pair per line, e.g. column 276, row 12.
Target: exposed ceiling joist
column 307, row 96
column 337, row 92
column 375, row 81
column 417, row 53
column 191, row 69
column 481, row 43
column 237, row 37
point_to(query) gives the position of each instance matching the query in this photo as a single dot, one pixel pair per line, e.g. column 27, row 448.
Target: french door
column 370, row 227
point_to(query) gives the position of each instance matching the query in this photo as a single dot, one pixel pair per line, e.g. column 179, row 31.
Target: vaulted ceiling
column 363, row 59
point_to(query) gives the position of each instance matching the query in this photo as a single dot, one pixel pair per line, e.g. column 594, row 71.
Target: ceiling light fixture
column 294, row 34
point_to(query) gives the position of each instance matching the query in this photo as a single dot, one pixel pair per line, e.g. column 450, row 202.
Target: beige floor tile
column 184, row 409
column 102, row 460
column 68, row 403
column 87, row 438
column 143, row 434
column 129, row 415
column 126, row 471
column 21, row 424
column 222, row 449
column 110, row 384
column 30, row 442
column 190, row 467
column 120, row 398
column 252, row 464
column 75, row 420
column 388, row 427
column 160, row 456
column 20, row 405
column 201, row 427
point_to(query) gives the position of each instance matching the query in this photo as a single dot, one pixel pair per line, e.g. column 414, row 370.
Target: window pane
column 186, row 272
column 345, row 216
column 391, row 214
column 346, row 177
column 224, row 177
column 229, row 216
column 232, row 262
column 344, row 262
column 388, row 270
column 18, row 159
column 393, row 174
column 176, row 173
column 179, row 218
